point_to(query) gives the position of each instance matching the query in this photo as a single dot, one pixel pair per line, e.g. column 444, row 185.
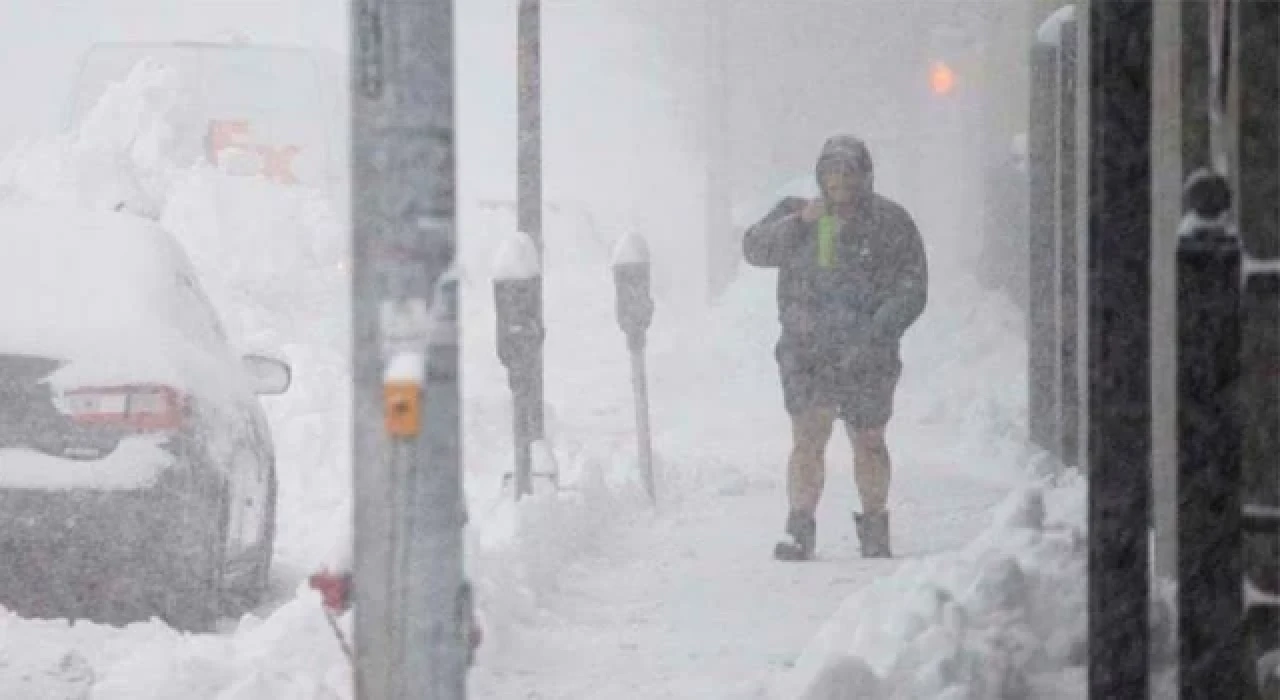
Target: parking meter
column 517, row 296
column 634, row 301
column 634, row 306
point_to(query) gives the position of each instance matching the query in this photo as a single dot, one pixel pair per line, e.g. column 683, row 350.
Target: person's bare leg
column 806, row 468
column 872, row 469
column 806, row 476
column 872, row 473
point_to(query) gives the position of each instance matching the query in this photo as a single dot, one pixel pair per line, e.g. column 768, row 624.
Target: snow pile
column 977, row 418
column 983, row 622
column 519, row 551
column 136, row 463
column 120, row 153
column 292, row 654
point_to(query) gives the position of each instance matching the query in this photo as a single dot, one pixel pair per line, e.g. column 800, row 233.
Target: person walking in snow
column 852, row 278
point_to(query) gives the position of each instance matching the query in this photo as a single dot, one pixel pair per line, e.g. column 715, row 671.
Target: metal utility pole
column 529, row 166
column 412, row 603
column 1119, row 349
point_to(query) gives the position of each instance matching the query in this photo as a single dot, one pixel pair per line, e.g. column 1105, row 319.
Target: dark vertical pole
column 1069, row 340
column 1258, row 66
column 1042, row 250
column 1194, row 67
column 1210, row 600
column 1119, row 350
column 529, row 166
column 1260, row 350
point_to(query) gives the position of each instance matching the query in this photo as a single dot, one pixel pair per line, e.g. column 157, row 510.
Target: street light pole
column 529, row 166
column 412, row 603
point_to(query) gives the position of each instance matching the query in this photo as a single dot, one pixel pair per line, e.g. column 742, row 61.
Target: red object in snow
column 335, row 591
column 334, row 588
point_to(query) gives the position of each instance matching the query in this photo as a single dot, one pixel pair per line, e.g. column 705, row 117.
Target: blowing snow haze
column 589, row 590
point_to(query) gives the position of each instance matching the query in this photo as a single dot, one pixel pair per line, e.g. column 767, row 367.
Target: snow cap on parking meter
column 517, row 295
column 517, row 258
column 1207, row 198
column 631, row 276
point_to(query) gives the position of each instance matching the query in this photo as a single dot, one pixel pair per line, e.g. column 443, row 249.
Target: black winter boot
column 873, row 534
column 803, row 530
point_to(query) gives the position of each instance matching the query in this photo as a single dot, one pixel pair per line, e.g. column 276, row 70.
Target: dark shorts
column 862, row 392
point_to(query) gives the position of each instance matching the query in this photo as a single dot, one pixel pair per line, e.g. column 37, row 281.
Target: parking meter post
column 634, row 306
column 1210, row 597
column 517, row 293
column 529, row 197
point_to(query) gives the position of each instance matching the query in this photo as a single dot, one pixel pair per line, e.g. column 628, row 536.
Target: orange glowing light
column 941, row 78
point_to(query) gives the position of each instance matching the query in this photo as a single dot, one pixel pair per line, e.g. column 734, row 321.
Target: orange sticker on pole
column 402, row 408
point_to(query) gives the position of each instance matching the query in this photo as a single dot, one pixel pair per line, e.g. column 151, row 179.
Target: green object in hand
column 826, row 241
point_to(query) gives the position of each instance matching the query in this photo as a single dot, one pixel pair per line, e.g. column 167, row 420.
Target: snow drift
column 990, row 621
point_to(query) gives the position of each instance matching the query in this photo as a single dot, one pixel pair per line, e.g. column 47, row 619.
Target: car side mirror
column 268, row 375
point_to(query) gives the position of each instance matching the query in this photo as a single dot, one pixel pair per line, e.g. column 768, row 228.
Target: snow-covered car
column 137, row 472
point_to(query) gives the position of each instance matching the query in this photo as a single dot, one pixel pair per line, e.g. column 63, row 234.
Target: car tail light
column 144, row 408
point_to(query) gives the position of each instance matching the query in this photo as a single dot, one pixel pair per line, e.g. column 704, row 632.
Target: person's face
column 841, row 183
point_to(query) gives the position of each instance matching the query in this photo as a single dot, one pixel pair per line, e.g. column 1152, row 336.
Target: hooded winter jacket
column 857, row 296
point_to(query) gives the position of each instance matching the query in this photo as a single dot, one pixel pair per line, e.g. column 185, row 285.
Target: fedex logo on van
column 225, row 137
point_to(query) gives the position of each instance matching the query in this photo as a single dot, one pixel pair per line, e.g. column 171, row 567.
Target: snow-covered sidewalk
column 685, row 600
